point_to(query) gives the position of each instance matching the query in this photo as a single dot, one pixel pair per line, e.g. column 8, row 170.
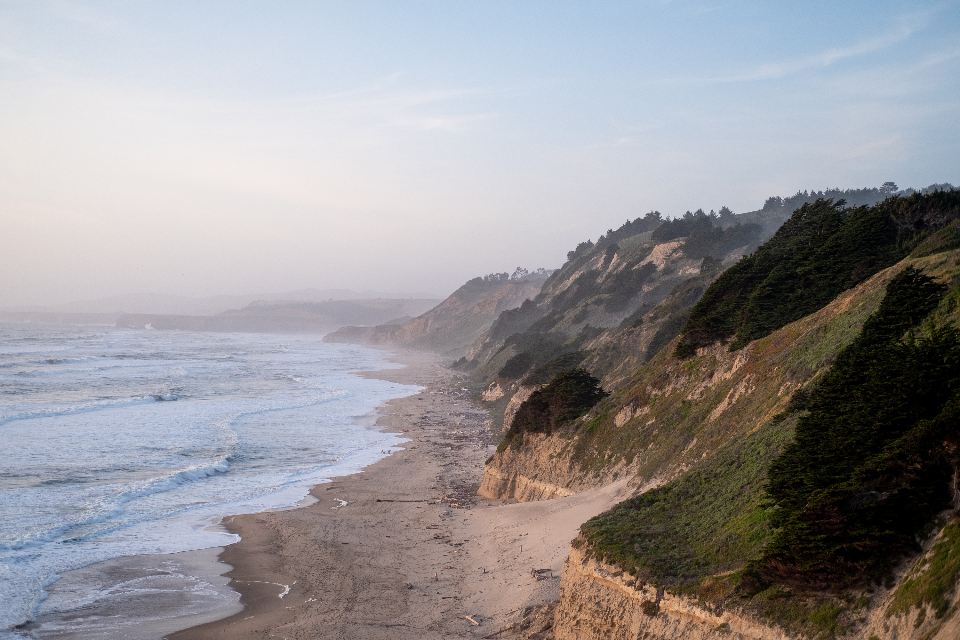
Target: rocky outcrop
column 538, row 469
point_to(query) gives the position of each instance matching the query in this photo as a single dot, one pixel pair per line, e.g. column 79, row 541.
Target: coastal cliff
column 451, row 326
column 599, row 602
column 672, row 414
column 718, row 429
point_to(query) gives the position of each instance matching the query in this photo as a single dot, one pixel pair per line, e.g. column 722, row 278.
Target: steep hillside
column 822, row 250
column 610, row 307
column 796, row 481
column 671, row 414
column 458, row 321
column 615, row 303
column 808, row 524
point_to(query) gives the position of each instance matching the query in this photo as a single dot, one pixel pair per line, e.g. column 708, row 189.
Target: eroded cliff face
column 521, row 396
column 507, row 477
column 599, row 602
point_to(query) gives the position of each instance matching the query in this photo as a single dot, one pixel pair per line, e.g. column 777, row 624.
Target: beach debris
column 541, row 574
column 343, row 503
column 472, row 620
column 286, row 587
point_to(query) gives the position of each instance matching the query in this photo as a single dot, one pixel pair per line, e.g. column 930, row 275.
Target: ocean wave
column 93, row 405
column 86, row 407
column 111, row 508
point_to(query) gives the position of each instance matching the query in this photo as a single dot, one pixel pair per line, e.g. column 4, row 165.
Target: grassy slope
column 697, row 534
column 689, row 409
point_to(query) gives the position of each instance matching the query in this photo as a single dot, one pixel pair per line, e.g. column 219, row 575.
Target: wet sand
column 404, row 549
column 137, row 597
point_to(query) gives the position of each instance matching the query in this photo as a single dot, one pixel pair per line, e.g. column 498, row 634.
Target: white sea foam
column 133, row 442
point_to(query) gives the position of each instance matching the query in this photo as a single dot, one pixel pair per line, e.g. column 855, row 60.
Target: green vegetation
column 703, row 237
column 710, row 521
column 830, row 492
column 822, row 250
column 544, row 374
column 568, row 397
column 868, row 466
column 933, row 579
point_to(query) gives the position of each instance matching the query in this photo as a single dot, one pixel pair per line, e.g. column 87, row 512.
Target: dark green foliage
column 623, row 287
column 708, row 521
column 647, row 223
column 568, row 396
column 877, row 441
column 547, row 372
column 821, row 251
column 677, row 311
column 581, row 249
column 869, row 465
column 666, row 333
column 704, row 235
column 697, row 223
column 945, row 239
column 719, row 241
column 516, row 366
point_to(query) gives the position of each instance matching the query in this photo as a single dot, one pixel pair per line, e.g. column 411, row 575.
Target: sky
column 236, row 147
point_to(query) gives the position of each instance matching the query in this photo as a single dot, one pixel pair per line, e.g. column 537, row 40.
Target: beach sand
column 404, row 549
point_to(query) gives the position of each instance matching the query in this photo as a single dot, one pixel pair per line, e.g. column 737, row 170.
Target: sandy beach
column 405, row 549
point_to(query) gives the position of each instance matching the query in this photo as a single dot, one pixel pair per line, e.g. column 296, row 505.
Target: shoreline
column 414, row 551
column 149, row 595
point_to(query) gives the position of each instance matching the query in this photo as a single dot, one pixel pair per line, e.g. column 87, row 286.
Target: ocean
column 117, row 443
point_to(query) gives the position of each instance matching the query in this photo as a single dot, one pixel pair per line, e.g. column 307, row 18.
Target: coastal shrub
column 933, row 580
column 545, row 373
column 516, row 366
column 875, row 447
column 871, row 460
column 821, row 251
column 567, row 397
column 709, row 521
column 620, row 289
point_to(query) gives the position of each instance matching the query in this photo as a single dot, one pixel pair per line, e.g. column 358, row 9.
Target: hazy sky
column 230, row 147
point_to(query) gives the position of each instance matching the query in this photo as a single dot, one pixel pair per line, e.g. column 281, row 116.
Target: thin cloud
column 823, row 59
